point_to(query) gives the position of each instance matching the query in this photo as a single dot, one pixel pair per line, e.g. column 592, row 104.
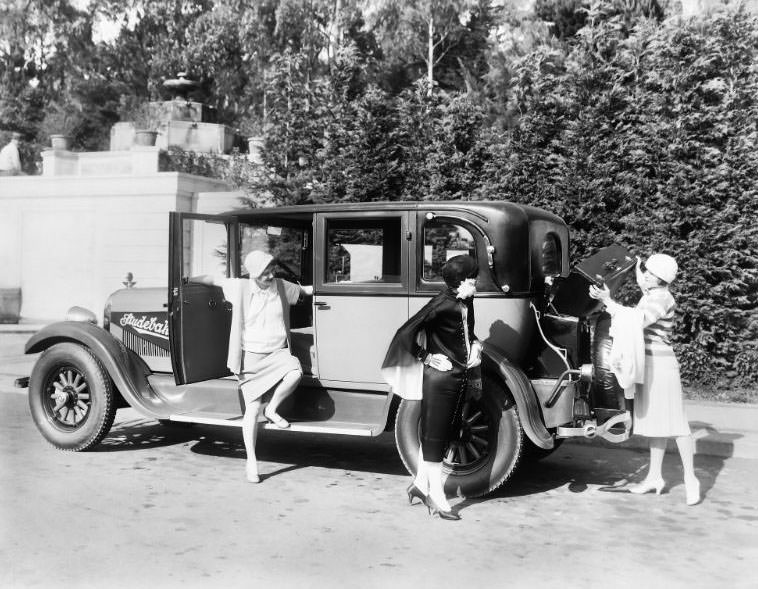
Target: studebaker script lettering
column 145, row 325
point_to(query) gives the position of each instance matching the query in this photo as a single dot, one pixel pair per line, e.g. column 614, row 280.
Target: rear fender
column 524, row 395
column 125, row 368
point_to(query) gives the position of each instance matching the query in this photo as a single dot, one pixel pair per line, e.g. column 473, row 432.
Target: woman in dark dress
column 430, row 358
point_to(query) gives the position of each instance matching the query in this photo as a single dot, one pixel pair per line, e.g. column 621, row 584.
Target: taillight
column 551, row 256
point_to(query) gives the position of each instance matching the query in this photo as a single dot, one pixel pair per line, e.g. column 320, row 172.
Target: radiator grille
column 141, row 346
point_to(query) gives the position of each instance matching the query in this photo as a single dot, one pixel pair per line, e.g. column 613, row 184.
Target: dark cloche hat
column 458, row 268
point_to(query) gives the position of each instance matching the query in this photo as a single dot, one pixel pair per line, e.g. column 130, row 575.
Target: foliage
column 145, row 115
column 60, row 119
column 567, row 17
column 444, row 40
column 235, row 169
column 649, row 140
column 634, row 129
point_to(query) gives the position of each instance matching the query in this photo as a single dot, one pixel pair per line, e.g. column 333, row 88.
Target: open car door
column 199, row 316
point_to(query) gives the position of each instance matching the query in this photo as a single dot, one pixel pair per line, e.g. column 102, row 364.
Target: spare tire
column 606, row 393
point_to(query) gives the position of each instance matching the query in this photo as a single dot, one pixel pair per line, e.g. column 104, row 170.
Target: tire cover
column 605, row 391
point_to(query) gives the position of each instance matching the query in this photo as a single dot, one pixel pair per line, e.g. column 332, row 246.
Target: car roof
column 479, row 208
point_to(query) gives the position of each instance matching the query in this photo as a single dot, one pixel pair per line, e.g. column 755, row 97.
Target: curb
column 719, row 445
column 723, row 430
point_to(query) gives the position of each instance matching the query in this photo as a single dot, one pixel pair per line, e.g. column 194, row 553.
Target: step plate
column 342, row 428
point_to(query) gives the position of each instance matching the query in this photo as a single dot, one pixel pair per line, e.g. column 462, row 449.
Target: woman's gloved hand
column 475, row 355
column 600, row 294
column 438, row 362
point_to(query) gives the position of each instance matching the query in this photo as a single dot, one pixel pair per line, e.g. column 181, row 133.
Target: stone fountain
column 185, row 123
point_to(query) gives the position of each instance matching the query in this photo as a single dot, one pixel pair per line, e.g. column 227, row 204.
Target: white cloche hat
column 662, row 266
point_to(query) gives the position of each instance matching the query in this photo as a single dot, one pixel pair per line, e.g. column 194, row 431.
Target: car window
column 286, row 244
column 204, row 248
column 442, row 241
column 363, row 251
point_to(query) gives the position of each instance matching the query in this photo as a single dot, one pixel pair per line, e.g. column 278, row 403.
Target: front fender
column 127, row 371
column 523, row 394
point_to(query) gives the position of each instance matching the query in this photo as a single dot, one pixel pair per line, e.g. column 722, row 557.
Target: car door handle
column 321, row 305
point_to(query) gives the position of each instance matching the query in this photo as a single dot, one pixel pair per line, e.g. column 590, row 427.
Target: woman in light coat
column 658, row 403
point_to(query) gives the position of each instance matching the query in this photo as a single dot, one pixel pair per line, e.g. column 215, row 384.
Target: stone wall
column 70, row 239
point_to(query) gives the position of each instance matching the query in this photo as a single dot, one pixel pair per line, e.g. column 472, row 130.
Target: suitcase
column 608, row 266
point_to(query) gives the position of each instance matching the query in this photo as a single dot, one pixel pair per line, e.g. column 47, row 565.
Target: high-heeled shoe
column 252, row 475
column 692, row 491
column 648, row 485
column 435, row 509
column 414, row 491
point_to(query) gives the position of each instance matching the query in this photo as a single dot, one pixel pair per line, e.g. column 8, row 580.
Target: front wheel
column 71, row 397
column 486, row 449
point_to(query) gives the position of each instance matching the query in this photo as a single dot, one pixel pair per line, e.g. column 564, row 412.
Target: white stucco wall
column 71, row 239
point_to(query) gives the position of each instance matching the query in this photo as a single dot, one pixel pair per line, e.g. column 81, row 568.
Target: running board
column 315, row 427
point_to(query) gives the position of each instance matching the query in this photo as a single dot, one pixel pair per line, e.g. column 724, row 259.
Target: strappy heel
column 435, row 509
column 414, row 491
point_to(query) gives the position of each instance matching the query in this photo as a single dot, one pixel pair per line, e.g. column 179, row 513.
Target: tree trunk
column 430, row 55
column 335, row 32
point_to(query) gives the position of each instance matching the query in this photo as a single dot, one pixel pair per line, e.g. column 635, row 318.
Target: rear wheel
column 71, row 397
column 486, row 449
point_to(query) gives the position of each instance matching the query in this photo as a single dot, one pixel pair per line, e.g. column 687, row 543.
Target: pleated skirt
column 659, row 402
column 262, row 372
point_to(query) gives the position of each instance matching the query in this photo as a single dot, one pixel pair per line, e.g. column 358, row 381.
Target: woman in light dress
column 658, row 403
column 259, row 352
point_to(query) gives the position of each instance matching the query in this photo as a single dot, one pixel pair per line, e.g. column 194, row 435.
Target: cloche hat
column 256, row 262
column 458, row 268
column 662, row 266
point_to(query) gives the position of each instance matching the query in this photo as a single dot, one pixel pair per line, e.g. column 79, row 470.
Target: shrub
column 649, row 140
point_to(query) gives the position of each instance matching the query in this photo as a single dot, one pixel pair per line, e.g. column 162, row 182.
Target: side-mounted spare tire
column 71, row 397
column 606, row 392
column 487, row 447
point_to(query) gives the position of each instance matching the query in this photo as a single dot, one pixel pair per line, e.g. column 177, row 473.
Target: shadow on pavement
column 299, row 450
column 304, row 450
column 707, row 437
column 578, row 467
column 581, row 470
column 143, row 433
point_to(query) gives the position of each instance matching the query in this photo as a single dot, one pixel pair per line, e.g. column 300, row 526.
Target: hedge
column 644, row 137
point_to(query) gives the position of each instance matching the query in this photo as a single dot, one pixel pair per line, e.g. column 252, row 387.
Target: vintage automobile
column 163, row 351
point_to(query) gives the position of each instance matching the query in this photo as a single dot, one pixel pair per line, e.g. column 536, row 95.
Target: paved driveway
column 159, row 506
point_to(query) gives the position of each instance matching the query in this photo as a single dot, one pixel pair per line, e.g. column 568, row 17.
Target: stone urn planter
column 60, row 141
column 145, row 137
column 10, row 305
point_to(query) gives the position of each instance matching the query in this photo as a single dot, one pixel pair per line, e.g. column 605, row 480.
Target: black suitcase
column 608, row 266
